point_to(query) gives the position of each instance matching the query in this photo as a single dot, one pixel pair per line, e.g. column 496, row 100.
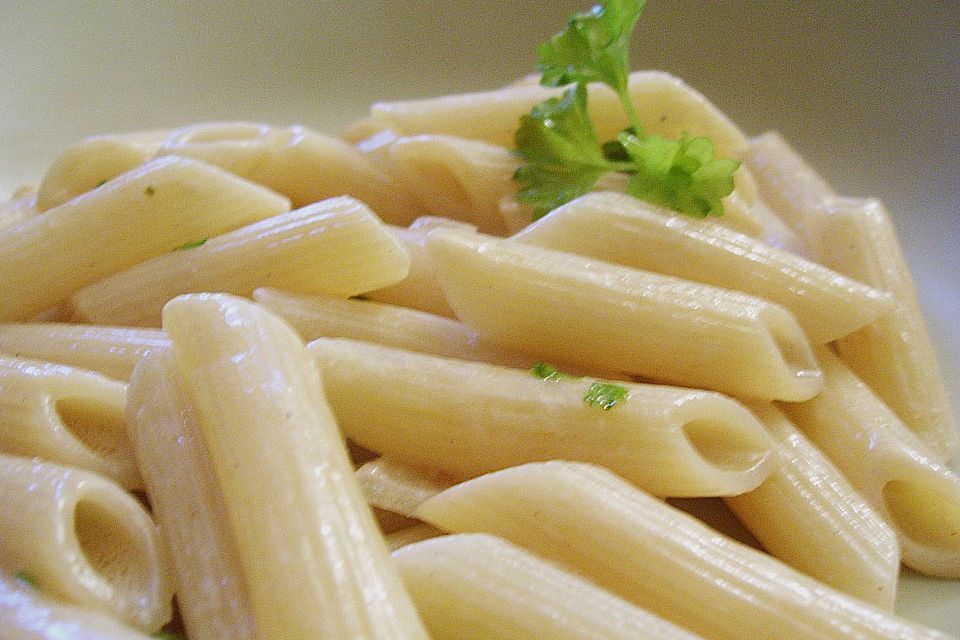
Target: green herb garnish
column 605, row 395
column 546, row 371
column 26, row 578
column 191, row 245
column 558, row 143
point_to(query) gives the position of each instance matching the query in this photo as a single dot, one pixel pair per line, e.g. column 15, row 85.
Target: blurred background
column 868, row 90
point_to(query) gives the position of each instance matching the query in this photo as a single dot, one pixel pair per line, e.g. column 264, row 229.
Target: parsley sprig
column 558, row 143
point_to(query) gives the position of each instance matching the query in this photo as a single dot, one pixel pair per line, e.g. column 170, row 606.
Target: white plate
column 867, row 90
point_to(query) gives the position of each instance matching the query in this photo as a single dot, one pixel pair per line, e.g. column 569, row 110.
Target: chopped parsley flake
column 191, row 245
column 605, row 395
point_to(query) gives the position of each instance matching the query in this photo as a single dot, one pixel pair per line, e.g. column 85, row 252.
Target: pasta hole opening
column 99, row 426
column 725, row 446
column 111, row 547
column 927, row 514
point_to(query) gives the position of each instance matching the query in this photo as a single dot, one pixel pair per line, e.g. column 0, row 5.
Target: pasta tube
column 144, row 213
column 187, row 504
column 595, row 314
column 301, row 519
column 83, row 539
column 788, row 184
column 457, row 177
column 466, row 419
column 480, row 586
column 397, row 488
column 90, row 163
column 623, row 230
column 111, row 351
column 420, row 289
column 592, row 522
column 888, row 465
column 664, row 104
column 65, row 415
column 807, row 514
column 301, row 164
column 323, row 317
column 894, row 354
column 27, row 614
column 337, row 247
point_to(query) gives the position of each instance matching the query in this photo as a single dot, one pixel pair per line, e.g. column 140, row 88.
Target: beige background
column 870, row 91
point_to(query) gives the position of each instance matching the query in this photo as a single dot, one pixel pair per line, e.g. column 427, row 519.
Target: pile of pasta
column 286, row 378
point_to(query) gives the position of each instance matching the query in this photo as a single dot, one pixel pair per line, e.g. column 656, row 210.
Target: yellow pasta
column 595, row 314
column 83, row 539
column 27, row 614
column 621, row 229
column 111, row 351
column 300, row 520
column 467, row 418
column 594, row 523
column 894, row 354
column 141, row 214
column 324, row 317
column 808, row 515
column 90, row 163
column 67, row 415
column 887, row 464
column 187, row 504
column 664, row 102
column 480, row 586
column 337, row 247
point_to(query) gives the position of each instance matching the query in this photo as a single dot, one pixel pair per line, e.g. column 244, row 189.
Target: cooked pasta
column 66, row 415
column 83, row 539
column 547, row 382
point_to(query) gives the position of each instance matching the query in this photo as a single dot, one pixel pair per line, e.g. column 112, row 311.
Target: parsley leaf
column 606, row 395
column 546, row 371
column 680, row 174
column 593, row 48
column 560, row 145
column 192, row 245
column 563, row 159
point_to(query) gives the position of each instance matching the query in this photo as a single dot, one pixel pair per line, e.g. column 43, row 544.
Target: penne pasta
column 594, row 314
column 187, row 503
column 65, row 415
column 27, row 614
column 592, row 522
column 808, row 515
column 466, row 419
column 337, row 247
column 620, row 229
column 792, row 188
column 420, row 289
column 887, row 464
column 894, row 354
column 142, row 214
column 324, row 317
column 110, row 351
column 457, row 177
column 301, row 519
column 394, row 487
column 91, row 163
column 301, row 164
column 481, row 586
column 668, row 106
column 84, row 540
